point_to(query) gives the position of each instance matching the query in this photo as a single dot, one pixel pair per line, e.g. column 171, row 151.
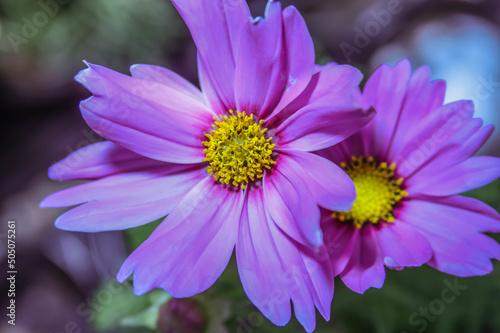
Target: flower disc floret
column 237, row 149
column 378, row 191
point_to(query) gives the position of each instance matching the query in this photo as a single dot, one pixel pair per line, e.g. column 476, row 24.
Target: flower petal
column 458, row 248
column 328, row 184
column 259, row 264
column 365, row 268
column 340, row 240
column 99, row 160
column 123, row 201
column 385, row 90
column 274, row 269
column 151, row 119
column 308, row 277
column 207, row 86
column 422, row 99
column 474, row 172
column 291, row 205
column 473, row 212
column 332, row 86
column 452, row 149
column 402, row 246
column 441, row 133
column 322, row 128
column 167, row 78
column 299, row 50
column 191, row 247
column 259, row 80
column 326, row 111
column 216, row 28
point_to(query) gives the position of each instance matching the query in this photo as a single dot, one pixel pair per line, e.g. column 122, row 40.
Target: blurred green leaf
column 136, row 236
column 148, row 317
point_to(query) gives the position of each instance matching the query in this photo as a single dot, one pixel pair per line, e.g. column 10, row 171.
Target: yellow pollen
column 377, row 189
column 237, row 149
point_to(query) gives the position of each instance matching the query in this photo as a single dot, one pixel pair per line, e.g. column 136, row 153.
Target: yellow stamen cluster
column 378, row 191
column 237, row 149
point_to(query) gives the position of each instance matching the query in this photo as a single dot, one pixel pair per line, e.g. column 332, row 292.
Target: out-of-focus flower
column 408, row 165
column 226, row 179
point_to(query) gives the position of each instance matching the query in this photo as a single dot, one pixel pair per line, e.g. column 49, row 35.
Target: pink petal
column 340, row 240
column 123, row 201
column 385, row 90
column 472, row 173
column 275, row 270
column 259, row 265
column 216, row 28
column 291, row 204
column 328, row 184
column 100, row 160
column 458, row 248
column 191, row 247
column 209, row 92
column 474, row 213
column 299, row 50
column 422, row 99
column 437, row 134
column 167, row 78
column 365, row 268
column 403, row 246
column 259, row 80
column 326, row 111
column 151, row 119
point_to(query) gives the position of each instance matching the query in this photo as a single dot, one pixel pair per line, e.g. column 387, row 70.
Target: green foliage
column 113, row 33
column 121, row 308
column 136, row 236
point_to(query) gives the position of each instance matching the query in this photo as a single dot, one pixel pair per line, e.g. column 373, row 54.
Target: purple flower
column 408, row 165
column 230, row 165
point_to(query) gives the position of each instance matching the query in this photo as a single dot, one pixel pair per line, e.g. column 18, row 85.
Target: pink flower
column 408, row 165
column 230, row 164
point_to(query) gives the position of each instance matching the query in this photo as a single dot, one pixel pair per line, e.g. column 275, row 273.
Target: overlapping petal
column 299, row 63
column 385, row 90
column 326, row 111
column 167, row 78
column 365, row 267
column 124, row 200
column 328, row 184
column 100, row 160
column 259, row 79
column 275, row 271
column 431, row 145
column 291, row 205
column 472, row 173
column 154, row 120
column 191, row 247
column 458, row 248
column 403, row 246
column 216, row 28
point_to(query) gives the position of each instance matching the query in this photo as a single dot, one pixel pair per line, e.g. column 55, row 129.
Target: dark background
column 65, row 280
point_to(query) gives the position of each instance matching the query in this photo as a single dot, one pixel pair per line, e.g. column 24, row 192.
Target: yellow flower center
column 377, row 189
column 237, row 149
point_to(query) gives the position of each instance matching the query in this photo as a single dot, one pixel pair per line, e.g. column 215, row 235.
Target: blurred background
column 65, row 281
